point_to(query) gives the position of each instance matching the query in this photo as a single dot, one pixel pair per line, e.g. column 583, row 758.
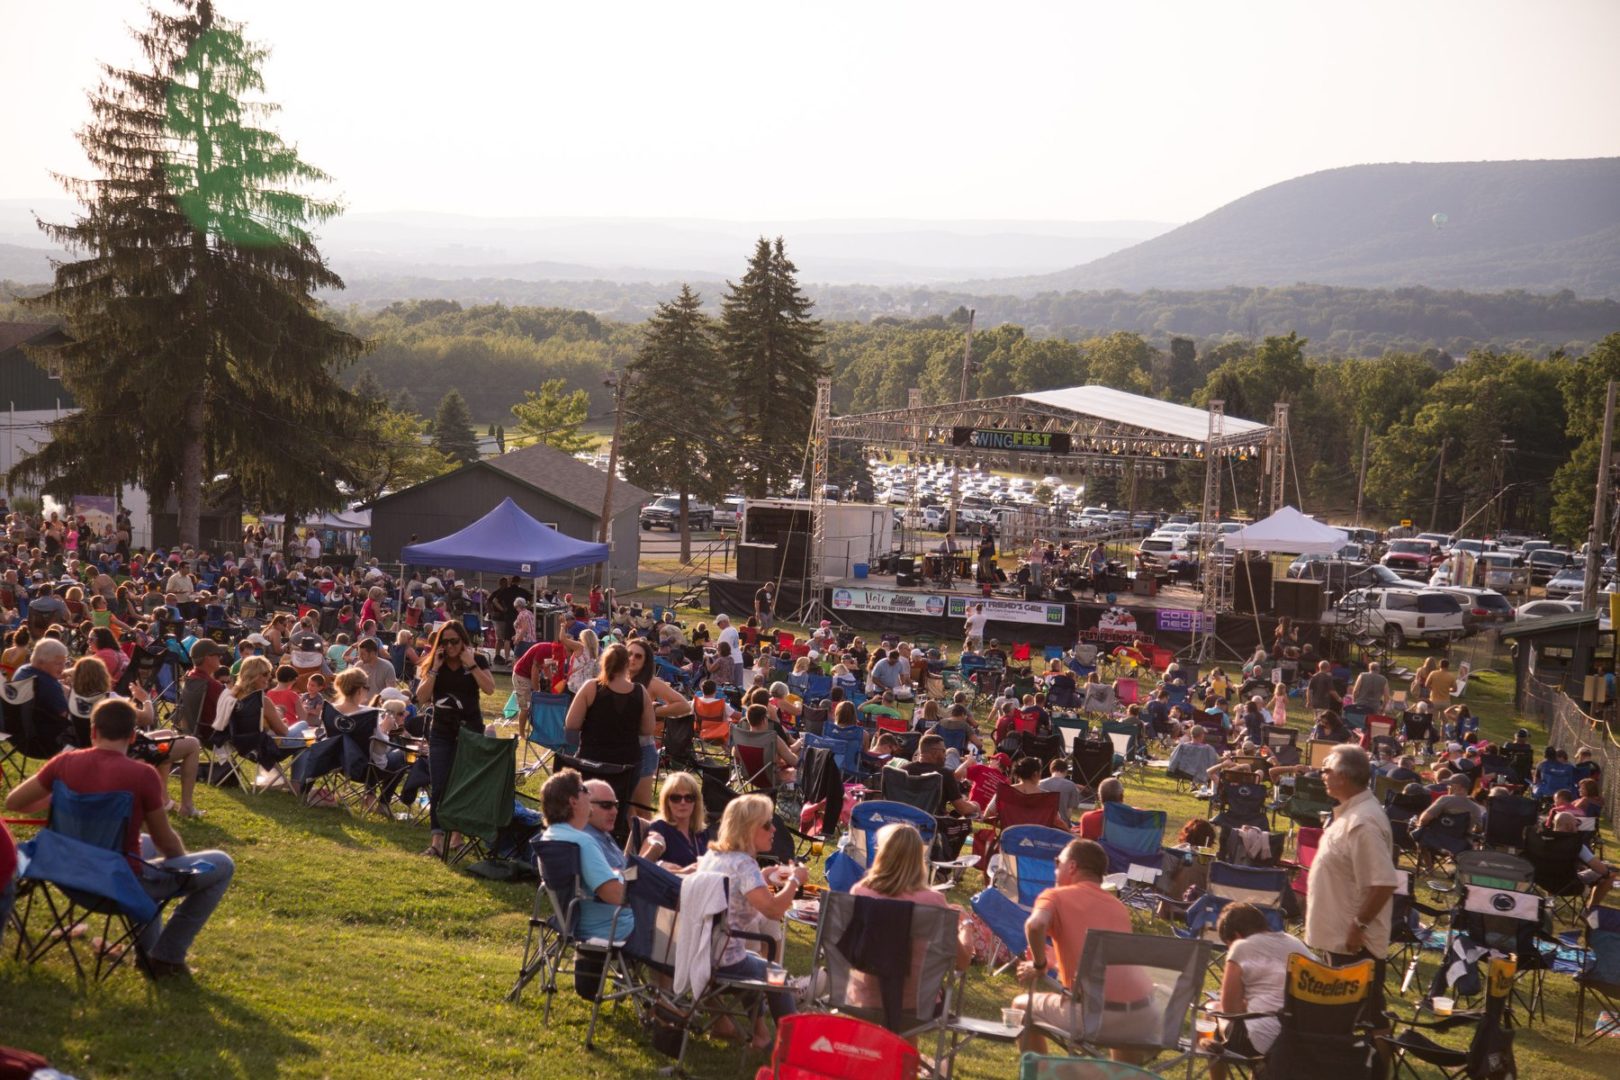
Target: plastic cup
column 1012, row 1017
column 1443, row 1006
column 816, row 848
column 1205, row 1028
column 309, row 736
column 776, row 975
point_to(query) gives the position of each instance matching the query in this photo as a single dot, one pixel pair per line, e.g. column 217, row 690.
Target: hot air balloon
column 1439, row 220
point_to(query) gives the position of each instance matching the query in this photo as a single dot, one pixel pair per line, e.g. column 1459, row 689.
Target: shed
column 552, row 487
column 1559, row 652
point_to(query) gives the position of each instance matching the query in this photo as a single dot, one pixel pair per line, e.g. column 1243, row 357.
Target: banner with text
column 1186, row 622
column 1019, row 611
column 899, row 603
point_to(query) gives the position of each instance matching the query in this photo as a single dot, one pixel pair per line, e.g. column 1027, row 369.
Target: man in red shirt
column 1091, row 822
column 536, row 671
column 1063, row 916
column 106, row 766
column 206, row 658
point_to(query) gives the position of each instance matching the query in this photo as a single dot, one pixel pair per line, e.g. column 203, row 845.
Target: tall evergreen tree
column 197, row 348
column 367, row 387
column 553, row 417
column 404, row 402
column 677, row 392
column 770, row 346
column 453, row 431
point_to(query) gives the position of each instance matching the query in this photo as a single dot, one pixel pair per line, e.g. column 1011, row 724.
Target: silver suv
column 1401, row 615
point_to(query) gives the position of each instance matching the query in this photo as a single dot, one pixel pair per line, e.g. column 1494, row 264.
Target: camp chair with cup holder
column 1132, row 835
column 1323, row 1026
column 849, row 863
column 815, row 1046
column 1496, row 920
column 1599, row 978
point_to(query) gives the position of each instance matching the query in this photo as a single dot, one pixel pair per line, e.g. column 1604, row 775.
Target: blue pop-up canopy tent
column 506, row 541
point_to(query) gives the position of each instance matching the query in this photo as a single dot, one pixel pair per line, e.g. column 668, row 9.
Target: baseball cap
column 1003, row 759
column 1522, row 733
column 257, row 639
column 206, row 647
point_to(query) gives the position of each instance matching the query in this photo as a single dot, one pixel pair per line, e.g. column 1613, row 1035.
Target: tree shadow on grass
column 131, row 1026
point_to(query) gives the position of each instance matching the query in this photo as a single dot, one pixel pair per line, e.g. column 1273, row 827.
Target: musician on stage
column 987, row 556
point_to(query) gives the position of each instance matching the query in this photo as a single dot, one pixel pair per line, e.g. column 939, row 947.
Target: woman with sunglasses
column 668, row 704
column 612, row 714
column 452, row 677
column 676, row 838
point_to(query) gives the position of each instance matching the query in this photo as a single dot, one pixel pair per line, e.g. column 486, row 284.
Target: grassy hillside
column 1538, row 225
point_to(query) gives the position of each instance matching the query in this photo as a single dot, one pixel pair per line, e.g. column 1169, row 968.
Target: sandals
column 192, row 813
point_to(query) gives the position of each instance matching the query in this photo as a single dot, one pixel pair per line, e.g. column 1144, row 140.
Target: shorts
column 1138, row 1022
column 649, row 760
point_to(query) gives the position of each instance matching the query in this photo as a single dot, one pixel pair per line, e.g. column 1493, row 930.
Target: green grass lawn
column 341, row 952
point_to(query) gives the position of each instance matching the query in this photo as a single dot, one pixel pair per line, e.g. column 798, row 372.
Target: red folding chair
column 784, row 640
column 816, row 1046
column 1020, row 653
column 1306, row 841
column 1128, row 691
column 1162, row 658
column 1013, row 807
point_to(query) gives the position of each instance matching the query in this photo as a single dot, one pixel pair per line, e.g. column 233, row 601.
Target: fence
column 1569, row 728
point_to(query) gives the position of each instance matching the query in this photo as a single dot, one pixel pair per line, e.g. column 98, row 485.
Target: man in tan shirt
column 1441, row 682
column 1352, row 881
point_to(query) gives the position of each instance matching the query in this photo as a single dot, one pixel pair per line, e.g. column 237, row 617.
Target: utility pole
column 1504, row 445
column 621, row 385
column 1361, row 479
column 956, row 464
column 1439, row 479
column 1600, row 519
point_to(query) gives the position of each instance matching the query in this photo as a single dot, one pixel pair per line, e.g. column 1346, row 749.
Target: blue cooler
column 861, row 569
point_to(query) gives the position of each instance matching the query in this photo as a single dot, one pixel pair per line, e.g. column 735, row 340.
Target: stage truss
column 1015, row 433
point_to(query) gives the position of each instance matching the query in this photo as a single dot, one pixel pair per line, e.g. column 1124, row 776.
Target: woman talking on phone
column 452, row 676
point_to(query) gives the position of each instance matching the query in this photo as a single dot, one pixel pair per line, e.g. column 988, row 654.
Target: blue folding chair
column 547, row 715
column 1600, row 978
column 1052, row 652
column 818, row 687
column 1554, row 776
column 845, row 745
column 850, row 862
column 1027, row 862
column 1132, row 836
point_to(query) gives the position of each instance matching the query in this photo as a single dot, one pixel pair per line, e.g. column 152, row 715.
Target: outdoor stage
column 877, row 605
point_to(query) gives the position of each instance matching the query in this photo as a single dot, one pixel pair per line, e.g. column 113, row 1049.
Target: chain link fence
column 1570, row 729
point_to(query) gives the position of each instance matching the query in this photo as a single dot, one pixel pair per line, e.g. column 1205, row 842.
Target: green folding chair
column 477, row 800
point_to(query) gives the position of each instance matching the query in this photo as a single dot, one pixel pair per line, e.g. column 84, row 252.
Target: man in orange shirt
column 1063, row 915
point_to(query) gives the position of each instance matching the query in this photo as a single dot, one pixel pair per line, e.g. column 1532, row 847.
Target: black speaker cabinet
column 1299, row 600
column 907, row 580
column 756, row 562
column 905, row 564
column 1251, row 587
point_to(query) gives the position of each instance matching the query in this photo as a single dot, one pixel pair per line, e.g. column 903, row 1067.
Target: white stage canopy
column 1144, row 413
column 1290, row 532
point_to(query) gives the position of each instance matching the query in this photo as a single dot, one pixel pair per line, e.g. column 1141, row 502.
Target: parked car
column 1567, row 583
column 1339, row 576
column 1412, row 558
column 1542, row 609
column 1545, row 563
column 1163, row 546
column 1481, row 607
column 728, row 515
column 665, row 512
column 1401, row 615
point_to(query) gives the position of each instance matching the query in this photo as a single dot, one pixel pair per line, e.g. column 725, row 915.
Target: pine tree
column 553, row 417
column 453, row 431
column 367, row 387
column 678, row 391
column 770, row 346
column 197, row 348
column 405, row 402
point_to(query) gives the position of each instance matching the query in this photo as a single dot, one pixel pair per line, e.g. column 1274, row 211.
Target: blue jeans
column 441, row 756
column 781, row 1002
column 171, row 941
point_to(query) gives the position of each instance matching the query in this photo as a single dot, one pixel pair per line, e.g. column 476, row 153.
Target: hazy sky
column 1070, row 109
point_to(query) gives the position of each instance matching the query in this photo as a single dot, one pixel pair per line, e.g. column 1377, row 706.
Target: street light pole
column 621, row 385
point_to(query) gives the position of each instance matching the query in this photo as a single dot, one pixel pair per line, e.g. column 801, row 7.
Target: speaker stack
column 1299, row 600
column 1252, row 587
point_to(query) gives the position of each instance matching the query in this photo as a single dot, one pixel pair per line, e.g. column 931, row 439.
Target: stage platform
column 1175, row 596
column 880, row 605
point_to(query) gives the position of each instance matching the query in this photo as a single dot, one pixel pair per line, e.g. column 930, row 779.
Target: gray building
column 553, row 487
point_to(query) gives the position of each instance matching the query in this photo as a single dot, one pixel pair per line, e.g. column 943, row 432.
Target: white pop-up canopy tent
column 1290, row 532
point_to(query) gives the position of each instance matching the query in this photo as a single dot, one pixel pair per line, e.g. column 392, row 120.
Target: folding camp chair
column 853, row 964
column 548, row 714
column 1264, row 887
column 1483, row 1056
column 1237, row 803
column 1553, row 777
column 1308, row 802
column 1126, row 737
column 1044, row 748
column 1306, row 840
column 1509, row 820
column 1494, row 869
column 75, row 870
column 1131, row 835
column 1093, row 761
column 813, row 1046
column 850, row 862
column 1402, row 809
column 248, row 744
column 553, row 946
column 845, row 744
column 1283, row 742
column 924, row 792
column 477, row 799
column 34, row 733
column 1556, row 857
column 1600, row 977
column 1408, row 936
column 1442, row 838
column 1323, row 1029
column 1492, row 920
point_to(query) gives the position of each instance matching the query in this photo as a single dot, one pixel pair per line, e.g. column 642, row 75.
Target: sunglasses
column 684, row 797
column 605, row 804
column 771, row 825
column 447, row 642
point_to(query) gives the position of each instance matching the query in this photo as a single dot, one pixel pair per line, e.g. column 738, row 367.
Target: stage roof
column 1144, row 413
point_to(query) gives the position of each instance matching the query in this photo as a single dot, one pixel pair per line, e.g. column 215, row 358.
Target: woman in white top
column 1256, row 974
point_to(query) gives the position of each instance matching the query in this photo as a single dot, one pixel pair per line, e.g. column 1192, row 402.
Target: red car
column 1413, row 558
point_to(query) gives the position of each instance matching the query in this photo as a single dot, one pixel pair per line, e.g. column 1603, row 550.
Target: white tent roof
column 1149, row 414
column 1291, row 532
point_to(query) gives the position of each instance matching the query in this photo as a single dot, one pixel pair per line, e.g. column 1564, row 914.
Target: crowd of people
column 93, row 624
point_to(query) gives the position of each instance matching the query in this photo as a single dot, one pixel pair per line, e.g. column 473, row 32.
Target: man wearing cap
column 728, row 634
column 380, row 674
column 765, row 605
column 207, row 656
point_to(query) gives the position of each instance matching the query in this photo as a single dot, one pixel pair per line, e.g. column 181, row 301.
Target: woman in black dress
column 611, row 714
column 452, row 676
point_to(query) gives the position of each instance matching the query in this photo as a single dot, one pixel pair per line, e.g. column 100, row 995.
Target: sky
column 1071, row 110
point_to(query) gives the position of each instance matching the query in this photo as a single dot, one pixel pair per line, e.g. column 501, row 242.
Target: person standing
column 1353, row 879
column 1371, row 690
column 765, row 605
column 611, row 713
column 451, row 679
column 973, row 629
column 1319, row 693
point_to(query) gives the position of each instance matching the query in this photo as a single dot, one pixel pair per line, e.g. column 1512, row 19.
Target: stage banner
column 1018, row 611
column 898, row 603
column 1186, row 622
column 1028, row 442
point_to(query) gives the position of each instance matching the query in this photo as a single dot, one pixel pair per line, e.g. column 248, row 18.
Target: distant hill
column 1543, row 226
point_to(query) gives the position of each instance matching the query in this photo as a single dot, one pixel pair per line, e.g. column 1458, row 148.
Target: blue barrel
column 861, row 569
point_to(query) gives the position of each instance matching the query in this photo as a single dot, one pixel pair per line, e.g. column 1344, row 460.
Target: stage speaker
column 907, row 580
column 756, row 562
column 1034, row 592
column 905, row 564
column 1251, row 587
column 1299, row 600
